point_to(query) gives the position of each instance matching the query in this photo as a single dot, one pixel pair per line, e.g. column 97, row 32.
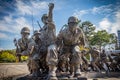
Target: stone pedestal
column 72, row 78
column 63, row 78
column 53, row 78
column 82, row 78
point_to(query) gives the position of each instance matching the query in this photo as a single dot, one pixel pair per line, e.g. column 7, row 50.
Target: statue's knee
column 76, row 49
column 51, row 47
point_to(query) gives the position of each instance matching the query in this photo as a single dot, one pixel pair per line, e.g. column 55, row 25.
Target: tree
column 113, row 40
column 88, row 29
column 101, row 38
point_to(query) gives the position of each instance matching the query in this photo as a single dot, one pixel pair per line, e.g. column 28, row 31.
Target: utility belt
column 68, row 48
column 71, row 45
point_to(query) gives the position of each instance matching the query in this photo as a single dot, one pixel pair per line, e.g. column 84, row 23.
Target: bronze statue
column 27, row 48
column 95, row 55
column 70, row 38
column 48, row 38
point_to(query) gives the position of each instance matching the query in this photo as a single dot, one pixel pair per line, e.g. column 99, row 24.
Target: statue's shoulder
column 20, row 40
column 64, row 28
column 79, row 29
column 64, row 31
column 31, row 40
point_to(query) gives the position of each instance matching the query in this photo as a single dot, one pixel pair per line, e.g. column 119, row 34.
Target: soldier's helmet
column 73, row 19
column 25, row 30
column 36, row 32
column 45, row 16
column 94, row 48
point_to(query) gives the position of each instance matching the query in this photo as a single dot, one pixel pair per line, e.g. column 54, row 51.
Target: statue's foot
column 107, row 72
column 77, row 75
column 34, row 74
column 70, row 75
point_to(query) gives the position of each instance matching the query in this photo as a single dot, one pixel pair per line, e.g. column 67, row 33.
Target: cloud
column 13, row 22
column 109, row 26
column 80, row 13
column 9, row 24
column 104, row 24
column 2, row 35
column 34, row 7
column 106, row 10
column 23, row 8
column 116, row 24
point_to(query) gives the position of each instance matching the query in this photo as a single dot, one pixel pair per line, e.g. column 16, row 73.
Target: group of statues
column 101, row 60
column 49, row 53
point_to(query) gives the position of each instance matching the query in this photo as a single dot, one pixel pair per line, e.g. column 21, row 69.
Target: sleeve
column 20, row 44
column 51, row 25
column 82, row 38
column 59, row 39
column 30, row 48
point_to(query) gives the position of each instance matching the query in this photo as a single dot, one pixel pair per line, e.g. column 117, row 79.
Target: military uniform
column 71, row 37
column 104, row 61
column 85, row 63
column 27, row 48
column 48, row 38
column 95, row 54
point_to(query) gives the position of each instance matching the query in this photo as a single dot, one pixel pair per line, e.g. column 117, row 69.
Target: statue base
column 51, row 78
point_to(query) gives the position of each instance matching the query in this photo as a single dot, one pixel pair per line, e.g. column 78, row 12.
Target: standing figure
column 70, row 38
column 95, row 55
column 104, row 61
column 27, row 48
column 85, row 62
column 48, row 38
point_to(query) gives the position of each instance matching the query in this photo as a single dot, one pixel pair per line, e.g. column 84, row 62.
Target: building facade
column 118, row 32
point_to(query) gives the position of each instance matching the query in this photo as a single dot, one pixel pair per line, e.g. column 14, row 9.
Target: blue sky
column 16, row 14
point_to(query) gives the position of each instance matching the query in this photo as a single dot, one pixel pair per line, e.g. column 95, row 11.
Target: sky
column 16, row 14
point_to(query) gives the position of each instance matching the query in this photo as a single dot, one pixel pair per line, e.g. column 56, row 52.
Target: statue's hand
column 18, row 54
column 51, row 5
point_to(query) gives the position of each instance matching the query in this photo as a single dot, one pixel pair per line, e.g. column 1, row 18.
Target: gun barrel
column 39, row 24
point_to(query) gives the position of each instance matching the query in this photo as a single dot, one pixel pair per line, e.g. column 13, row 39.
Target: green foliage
column 113, row 38
column 88, row 28
column 24, row 58
column 7, row 56
column 100, row 38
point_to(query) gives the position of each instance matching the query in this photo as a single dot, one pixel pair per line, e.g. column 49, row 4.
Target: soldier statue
column 95, row 55
column 85, row 62
column 48, row 38
column 70, row 38
column 28, row 48
column 104, row 60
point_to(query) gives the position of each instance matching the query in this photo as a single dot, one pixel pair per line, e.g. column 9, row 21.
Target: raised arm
column 50, row 15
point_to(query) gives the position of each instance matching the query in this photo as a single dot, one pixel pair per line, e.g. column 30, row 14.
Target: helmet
column 72, row 19
column 44, row 16
column 25, row 30
column 36, row 32
column 94, row 48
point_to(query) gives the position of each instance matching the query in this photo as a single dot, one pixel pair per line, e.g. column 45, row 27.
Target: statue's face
column 25, row 35
column 44, row 20
column 72, row 26
column 37, row 36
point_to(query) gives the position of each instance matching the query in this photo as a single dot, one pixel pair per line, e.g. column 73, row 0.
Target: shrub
column 7, row 57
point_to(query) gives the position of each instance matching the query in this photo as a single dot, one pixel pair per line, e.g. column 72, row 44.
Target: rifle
column 17, row 51
column 39, row 25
